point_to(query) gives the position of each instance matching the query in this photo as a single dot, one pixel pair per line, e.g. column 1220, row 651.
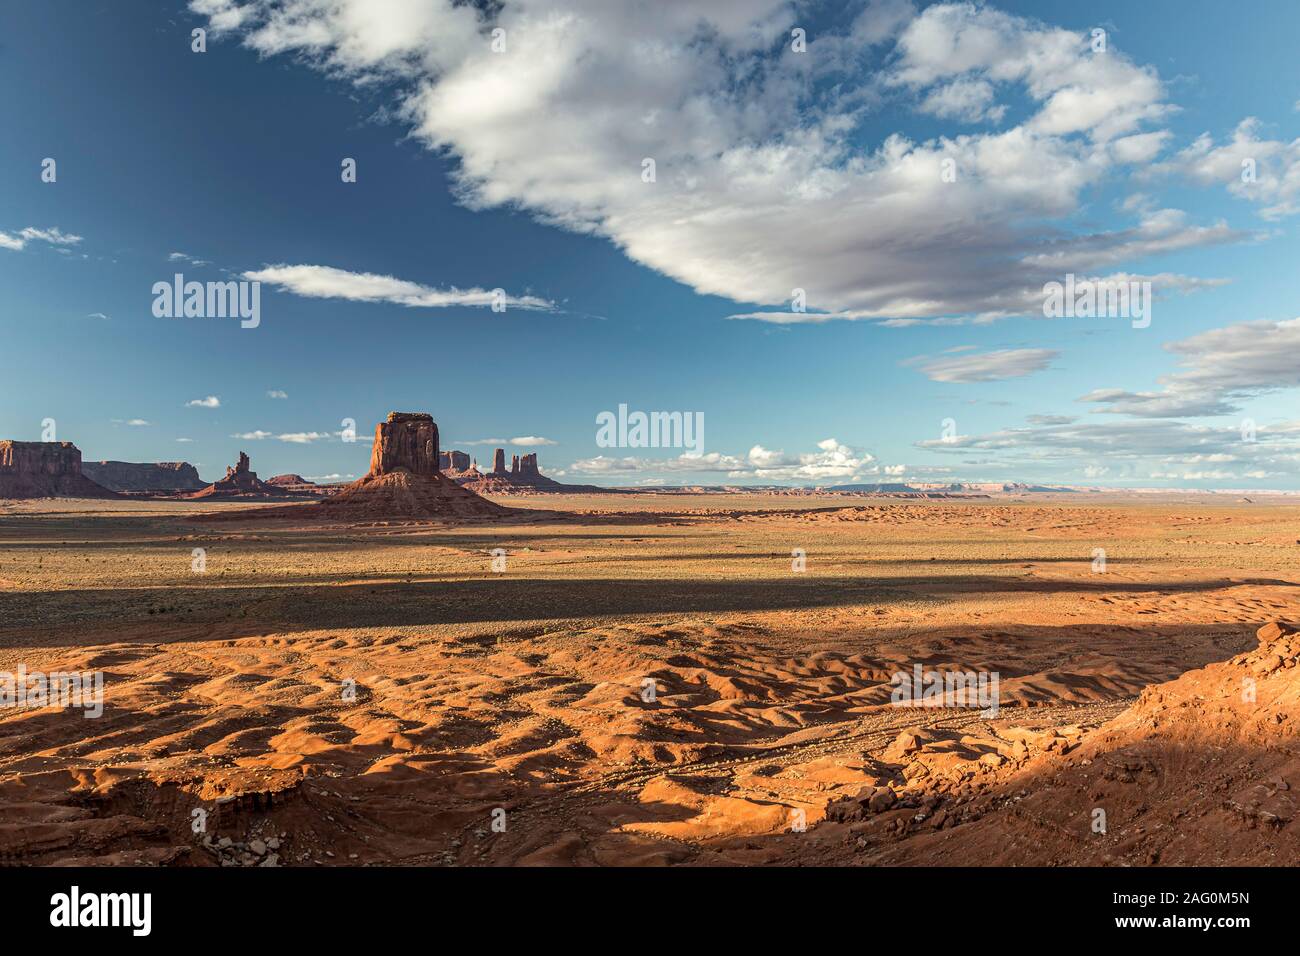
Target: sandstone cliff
column 160, row 476
column 38, row 469
column 407, row 441
column 522, row 477
column 241, row 482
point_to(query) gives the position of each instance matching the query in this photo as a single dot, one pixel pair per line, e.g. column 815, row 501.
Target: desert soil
column 376, row 694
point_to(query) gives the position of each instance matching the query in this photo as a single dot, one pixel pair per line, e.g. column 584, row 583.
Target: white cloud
column 523, row 440
column 186, row 257
column 276, row 393
column 295, row 438
column 325, row 282
column 211, row 401
column 1159, row 232
column 969, row 100
column 532, row 440
column 1263, row 171
column 988, row 366
column 831, row 460
column 222, row 14
column 1133, row 449
column 749, row 203
column 1027, row 300
column 1221, row 367
column 54, row 236
column 603, row 465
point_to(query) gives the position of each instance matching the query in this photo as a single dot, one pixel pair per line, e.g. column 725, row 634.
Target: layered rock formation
column 407, row 441
column 241, row 482
column 522, row 477
column 403, row 481
column 45, row 469
column 302, row 486
column 159, row 476
column 453, row 461
column 288, row 481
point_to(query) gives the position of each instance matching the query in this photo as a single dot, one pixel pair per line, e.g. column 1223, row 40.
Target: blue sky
column 775, row 170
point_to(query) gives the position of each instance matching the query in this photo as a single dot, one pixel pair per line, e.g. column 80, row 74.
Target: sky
column 838, row 265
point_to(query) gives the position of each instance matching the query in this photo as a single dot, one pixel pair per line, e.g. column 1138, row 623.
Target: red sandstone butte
column 286, row 481
column 160, row 477
column 241, row 482
column 523, row 477
column 456, row 461
column 407, row 441
column 45, row 469
column 403, row 482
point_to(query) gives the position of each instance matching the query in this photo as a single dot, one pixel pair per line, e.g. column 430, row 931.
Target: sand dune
column 647, row 683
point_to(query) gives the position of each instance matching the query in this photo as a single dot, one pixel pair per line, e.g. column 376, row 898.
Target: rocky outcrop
column 45, row 469
column 404, row 481
column 303, row 487
column 453, row 461
column 241, row 482
column 286, row 481
column 407, row 441
column 522, row 477
column 159, row 476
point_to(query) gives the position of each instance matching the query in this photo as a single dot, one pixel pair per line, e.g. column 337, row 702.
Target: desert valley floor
column 481, row 691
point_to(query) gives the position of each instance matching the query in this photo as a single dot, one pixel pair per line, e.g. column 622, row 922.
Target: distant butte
column 404, row 481
column 158, row 477
column 45, row 469
column 522, row 477
column 241, row 482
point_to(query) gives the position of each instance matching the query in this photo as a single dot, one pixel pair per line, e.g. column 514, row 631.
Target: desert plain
column 652, row 680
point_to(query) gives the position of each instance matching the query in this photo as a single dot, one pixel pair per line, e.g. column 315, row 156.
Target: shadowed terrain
column 652, row 682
